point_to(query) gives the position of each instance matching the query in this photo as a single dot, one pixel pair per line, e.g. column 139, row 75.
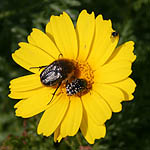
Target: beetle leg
column 55, row 91
column 40, row 67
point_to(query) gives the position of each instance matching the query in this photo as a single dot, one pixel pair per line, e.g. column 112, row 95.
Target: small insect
column 114, row 34
column 76, row 86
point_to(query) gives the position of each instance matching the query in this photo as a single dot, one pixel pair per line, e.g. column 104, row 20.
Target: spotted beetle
column 76, row 86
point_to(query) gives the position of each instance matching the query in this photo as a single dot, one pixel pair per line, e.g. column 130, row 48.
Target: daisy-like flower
column 95, row 76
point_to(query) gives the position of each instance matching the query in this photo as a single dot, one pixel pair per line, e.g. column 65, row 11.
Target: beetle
column 76, row 86
column 56, row 72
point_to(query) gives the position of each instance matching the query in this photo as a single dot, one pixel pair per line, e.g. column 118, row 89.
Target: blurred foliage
column 127, row 130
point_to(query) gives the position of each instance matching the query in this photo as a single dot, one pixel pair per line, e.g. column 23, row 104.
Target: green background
column 127, row 130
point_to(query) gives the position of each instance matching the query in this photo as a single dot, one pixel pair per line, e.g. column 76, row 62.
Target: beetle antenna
column 55, row 91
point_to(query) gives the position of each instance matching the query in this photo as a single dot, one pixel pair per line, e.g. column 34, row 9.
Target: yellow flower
column 91, row 49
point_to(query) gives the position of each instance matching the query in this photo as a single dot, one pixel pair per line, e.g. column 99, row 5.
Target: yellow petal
column 19, row 103
column 113, row 72
column 31, row 40
column 53, row 116
column 96, row 108
column 90, row 130
column 123, row 52
column 24, row 94
column 72, row 119
column 49, row 31
column 34, row 56
column 34, row 104
column 57, row 136
column 127, row 86
column 112, row 95
column 45, row 43
column 22, row 62
column 85, row 32
column 26, row 83
column 64, row 35
column 28, row 93
column 103, row 44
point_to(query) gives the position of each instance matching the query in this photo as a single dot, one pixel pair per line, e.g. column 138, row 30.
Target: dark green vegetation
column 127, row 130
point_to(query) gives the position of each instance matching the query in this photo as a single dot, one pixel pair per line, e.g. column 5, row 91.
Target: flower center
column 81, row 80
